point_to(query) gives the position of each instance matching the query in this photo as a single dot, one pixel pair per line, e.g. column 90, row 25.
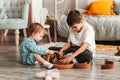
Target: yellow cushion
column 101, row 7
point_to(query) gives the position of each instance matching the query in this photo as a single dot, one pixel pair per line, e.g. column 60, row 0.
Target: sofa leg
column 2, row 35
column 17, row 37
column 5, row 32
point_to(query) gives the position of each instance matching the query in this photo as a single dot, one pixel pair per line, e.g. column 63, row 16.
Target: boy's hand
column 66, row 60
column 61, row 52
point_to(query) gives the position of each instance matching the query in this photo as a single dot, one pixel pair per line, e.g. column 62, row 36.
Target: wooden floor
column 12, row 69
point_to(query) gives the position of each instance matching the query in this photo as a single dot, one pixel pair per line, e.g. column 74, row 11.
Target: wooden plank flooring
column 12, row 69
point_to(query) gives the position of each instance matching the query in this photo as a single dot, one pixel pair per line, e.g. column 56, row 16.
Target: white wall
column 65, row 7
column 49, row 4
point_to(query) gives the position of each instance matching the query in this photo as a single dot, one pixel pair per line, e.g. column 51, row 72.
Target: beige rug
column 102, row 51
column 106, row 48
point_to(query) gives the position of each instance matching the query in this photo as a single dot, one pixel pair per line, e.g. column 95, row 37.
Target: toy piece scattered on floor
column 48, row 74
column 118, row 52
column 108, row 65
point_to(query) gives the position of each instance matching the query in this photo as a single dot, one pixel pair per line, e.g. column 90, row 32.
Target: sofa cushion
column 13, row 23
column 100, row 7
column 117, row 6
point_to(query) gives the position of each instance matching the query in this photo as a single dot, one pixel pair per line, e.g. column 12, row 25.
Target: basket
column 63, row 66
column 82, row 65
column 108, row 65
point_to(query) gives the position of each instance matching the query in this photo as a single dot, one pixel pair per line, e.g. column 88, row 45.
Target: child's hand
column 50, row 51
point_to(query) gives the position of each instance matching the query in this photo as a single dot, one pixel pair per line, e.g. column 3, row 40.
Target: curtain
column 30, row 14
column 34, row 11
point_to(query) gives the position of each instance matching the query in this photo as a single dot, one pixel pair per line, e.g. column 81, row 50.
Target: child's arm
column 51, row 51
column 33, row 47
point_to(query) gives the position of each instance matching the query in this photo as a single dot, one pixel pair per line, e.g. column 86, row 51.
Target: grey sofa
column 107, row 28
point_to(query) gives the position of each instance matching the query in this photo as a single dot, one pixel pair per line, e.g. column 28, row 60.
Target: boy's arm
column 66, row 46
column 81, row 49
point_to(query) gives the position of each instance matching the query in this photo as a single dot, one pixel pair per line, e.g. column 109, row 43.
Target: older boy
column 81, row 41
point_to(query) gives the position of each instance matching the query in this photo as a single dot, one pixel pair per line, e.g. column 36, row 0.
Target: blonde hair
column 36, row 28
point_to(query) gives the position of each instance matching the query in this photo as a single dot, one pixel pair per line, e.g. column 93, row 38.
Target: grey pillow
column 117, row 7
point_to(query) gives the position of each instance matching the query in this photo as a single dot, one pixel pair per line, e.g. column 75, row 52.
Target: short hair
column 35, row 28
column 73, row 17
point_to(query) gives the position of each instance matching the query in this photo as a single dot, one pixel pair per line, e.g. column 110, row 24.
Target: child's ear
column 33, row 34
column 82, row 21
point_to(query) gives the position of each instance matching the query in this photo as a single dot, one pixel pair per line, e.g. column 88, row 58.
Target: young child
column 81, row 40
column 29, row 49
